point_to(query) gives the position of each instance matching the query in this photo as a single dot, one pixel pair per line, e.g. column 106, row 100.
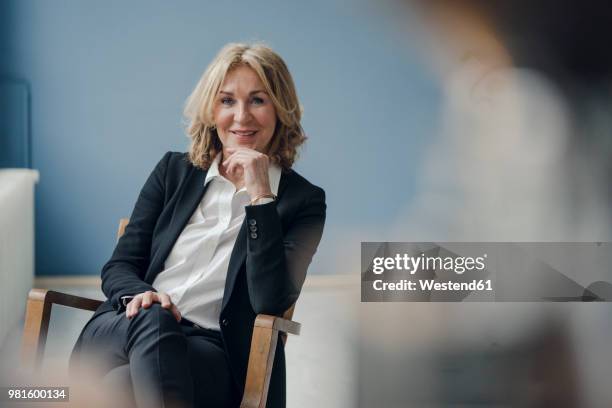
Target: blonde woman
column 217, row 236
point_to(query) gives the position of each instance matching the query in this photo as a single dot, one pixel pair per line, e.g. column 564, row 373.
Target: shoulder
column 177, row 160
column 174, row 164
column 171, row 170
column 298, row 184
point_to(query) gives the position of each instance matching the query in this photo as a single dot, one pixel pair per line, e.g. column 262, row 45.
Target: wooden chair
column 263, row 343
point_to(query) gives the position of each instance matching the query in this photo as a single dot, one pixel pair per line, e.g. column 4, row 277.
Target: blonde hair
column 277, row 81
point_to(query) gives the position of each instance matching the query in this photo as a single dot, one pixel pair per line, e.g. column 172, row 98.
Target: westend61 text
column 431, row 284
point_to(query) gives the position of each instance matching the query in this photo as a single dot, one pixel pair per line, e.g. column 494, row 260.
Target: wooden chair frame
column 263, row 342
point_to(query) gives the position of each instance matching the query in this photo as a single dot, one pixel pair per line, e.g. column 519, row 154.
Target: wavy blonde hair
column 278, row 83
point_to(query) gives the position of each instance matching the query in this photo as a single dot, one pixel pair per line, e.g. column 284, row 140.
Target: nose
column 242, row 114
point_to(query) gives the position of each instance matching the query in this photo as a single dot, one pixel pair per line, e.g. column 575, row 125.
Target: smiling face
column 243, row 111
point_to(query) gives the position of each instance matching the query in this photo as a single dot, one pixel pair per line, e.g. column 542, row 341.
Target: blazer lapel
column 188, row 199
column 238, row 257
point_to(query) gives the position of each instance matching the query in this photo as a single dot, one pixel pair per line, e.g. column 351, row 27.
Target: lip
column 244, row 132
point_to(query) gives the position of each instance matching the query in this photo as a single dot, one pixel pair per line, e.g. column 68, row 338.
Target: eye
column 226, row 100
column 257, row 100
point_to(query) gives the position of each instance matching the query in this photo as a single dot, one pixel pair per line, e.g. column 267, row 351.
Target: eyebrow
column 250, row 93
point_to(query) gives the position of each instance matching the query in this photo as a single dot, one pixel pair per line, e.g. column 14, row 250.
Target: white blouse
column 195, row 270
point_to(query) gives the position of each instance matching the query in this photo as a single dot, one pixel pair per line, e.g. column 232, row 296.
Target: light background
column 109, row 79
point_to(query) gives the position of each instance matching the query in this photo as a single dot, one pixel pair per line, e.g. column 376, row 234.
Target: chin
column 251, row 144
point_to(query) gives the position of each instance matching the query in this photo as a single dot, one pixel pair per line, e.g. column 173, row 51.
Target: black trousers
column 153, row 361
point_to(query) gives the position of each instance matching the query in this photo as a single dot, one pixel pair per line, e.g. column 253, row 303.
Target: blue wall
column 109, row 79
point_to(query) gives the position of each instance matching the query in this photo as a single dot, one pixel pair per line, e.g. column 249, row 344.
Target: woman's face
column 243, row 112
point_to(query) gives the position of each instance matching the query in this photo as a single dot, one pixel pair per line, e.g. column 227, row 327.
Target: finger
column 231, row 153
column 134, row 306
column 236, row 163
column 245, row 158
column 166, row 302
column 129, row 308
column 228, row 158
column 231, row 168
column 237, row 154
column 147, row 299
column 227, row 161
column 176, row 313
column 230, row 165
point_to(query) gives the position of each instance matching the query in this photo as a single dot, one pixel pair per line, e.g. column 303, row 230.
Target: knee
column 154, row 316
column 151, row 327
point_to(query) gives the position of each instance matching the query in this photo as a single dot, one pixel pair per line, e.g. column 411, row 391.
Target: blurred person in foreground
column 217, row 236
column 524, row 148
column 522, row 155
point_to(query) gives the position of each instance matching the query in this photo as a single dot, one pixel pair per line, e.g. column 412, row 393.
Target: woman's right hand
column 146, row 299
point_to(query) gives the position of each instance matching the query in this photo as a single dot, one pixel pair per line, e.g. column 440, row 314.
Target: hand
column 146, row 299
column 254, row 168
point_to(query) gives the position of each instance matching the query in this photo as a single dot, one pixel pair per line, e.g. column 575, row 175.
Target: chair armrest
column 278, row 323
column 38, row 313
column 64, row 299
column 261, row 358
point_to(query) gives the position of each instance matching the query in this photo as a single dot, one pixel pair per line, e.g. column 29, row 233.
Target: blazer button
column 225, row 322
column 253, row 228
column 252, row 221
column 254, row 235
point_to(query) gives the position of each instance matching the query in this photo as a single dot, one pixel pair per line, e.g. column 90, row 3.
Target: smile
column 243, row 132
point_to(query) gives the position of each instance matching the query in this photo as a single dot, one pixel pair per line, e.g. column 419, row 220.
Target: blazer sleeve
column 123, row 275
column 276, row 263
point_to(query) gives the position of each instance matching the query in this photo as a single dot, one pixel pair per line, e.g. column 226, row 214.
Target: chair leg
column 261, row 359
column 38, row 313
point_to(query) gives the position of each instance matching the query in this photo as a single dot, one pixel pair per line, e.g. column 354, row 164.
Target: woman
column 217, row 236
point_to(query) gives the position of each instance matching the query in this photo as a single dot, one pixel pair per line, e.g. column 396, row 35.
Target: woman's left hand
column 254, row 167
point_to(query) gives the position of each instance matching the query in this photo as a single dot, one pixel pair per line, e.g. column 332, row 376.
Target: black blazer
column 266, row 269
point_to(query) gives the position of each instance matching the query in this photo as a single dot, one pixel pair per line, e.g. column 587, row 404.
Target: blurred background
column 427, row 121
